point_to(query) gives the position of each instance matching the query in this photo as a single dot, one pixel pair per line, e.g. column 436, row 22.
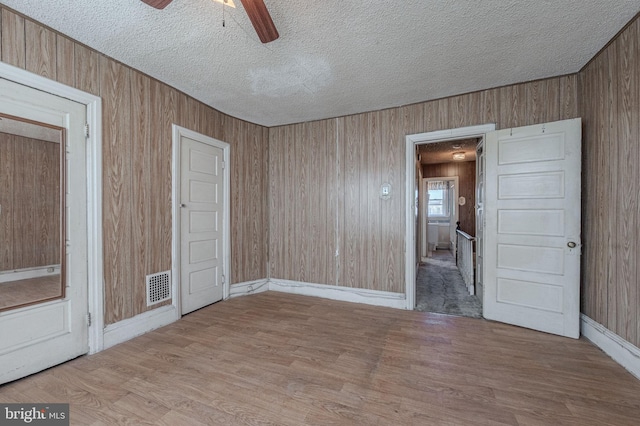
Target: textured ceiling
column 337, row 57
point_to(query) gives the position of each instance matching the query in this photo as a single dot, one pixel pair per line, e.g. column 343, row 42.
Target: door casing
column 178, row 132
column 410, row 207
column 94, row 189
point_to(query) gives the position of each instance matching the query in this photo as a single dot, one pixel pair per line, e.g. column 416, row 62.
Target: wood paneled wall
column 466, row 172
column 29, row 202
column 328, row 224
column 609, row 93
column 137, row 115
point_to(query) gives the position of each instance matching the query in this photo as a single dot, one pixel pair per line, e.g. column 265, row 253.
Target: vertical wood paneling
column 161, row 160
column 7, row 187
column 47, row 195
column 141, row 187
column 371, row 237
column 41, row 56
column 65, row 60
column 13, row 39
column 624, row 127
column 137, row 116
column 276, row 195
column 24, row 203
column 29, row 196
column 87, row 69
column 609, row 102
column 116, row 124
column 370, row 231
column 392, row 172
column 568, row 96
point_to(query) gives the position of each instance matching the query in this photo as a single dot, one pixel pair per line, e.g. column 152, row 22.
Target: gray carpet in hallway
column 440, row 289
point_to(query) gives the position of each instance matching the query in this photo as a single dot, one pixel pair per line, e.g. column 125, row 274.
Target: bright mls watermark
column 34, row 414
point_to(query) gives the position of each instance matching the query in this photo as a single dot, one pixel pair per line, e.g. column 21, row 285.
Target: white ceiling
column 339, row 57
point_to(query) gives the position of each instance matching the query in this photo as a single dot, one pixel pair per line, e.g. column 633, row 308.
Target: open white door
column 43, row 331
column 532, row 229
column 203, row 218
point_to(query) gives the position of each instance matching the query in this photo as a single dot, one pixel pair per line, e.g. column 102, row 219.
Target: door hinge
column 88, row 319
column 223, row 165
column 223, row 279
column 86, row 130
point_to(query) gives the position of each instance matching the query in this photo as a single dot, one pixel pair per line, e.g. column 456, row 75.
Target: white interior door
column 202, row 219
column 43, row 334
column 532, row 231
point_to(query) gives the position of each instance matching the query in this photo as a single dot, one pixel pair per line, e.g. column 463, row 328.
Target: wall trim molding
column 248, row 287
column 129, row 328
column 622, row 351
column 345, row 294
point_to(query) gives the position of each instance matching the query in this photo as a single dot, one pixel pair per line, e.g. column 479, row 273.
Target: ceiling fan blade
column 261, row 20
column 158, row 4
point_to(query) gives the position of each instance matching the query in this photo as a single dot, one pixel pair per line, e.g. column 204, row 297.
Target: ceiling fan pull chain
column 223, row 13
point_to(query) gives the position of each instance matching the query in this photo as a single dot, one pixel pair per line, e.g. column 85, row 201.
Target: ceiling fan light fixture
column 458, row 156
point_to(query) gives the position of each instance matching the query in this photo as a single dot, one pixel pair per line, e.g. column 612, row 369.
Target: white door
column 46, row 333
column 202, row 249
column 532, row 231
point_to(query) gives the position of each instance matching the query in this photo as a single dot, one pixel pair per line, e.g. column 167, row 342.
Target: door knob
column 571, row 244
column 183, row 205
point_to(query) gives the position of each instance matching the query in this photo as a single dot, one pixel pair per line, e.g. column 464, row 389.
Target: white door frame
column 178, row 132
column 410, row 234
column 94, row 189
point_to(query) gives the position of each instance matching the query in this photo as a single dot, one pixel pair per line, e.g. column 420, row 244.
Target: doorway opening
column 418, row 148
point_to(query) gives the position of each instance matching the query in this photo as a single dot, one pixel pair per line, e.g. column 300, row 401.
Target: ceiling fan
column 257, row 11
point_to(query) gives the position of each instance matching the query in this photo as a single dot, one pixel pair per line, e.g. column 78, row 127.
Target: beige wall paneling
column 249, row 186
column 86, row 69
column 13, row 39
column 352, row 144
column 46, row 227
column 392, row 216
column 140, row 187
column 625, row 130
column 609, row 95
column 161, row 163
column 7, row 178
column 117, row 205
column 65, row 60
column 24, row 212
column 370, row 152
column 276, row 217
column 41, row 54
column 568, row 96
column 137, row 115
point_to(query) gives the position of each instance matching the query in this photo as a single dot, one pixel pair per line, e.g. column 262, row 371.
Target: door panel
column 46, row 333
column 532, row 231
column 202, row 193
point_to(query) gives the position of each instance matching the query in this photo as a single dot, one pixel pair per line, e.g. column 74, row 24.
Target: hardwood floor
column 279, row 359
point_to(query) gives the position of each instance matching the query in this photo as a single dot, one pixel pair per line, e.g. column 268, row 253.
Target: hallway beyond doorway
column 440, row 289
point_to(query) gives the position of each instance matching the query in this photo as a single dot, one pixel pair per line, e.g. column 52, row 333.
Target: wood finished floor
column 279, row 359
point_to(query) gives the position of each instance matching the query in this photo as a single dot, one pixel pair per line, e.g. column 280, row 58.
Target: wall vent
column 158, row 287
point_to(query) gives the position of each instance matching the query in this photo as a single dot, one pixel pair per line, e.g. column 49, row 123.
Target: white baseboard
column 132, row 327
column 345, row 294
column 623, row 352
column 248, row 287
